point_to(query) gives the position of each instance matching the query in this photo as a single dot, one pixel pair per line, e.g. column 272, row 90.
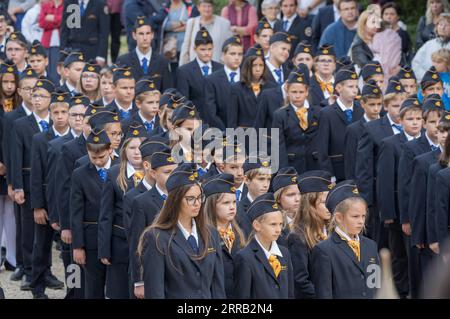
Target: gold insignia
column 378, row 69
column 60, row 98
column 13, row 36
column 355, row 191
column 447, row 117
column 170, row 159
column 10, row 69
column 266, row 25
column 372, row 260
column 407, row 75
column 314, row 124
column 300, row 79
column 438, row 103
column 237, row 149
column 192, row 113
column 141, row 21
column 330, row 186
column 275, row 206
column 30, row 72
column 325, row 51
column 33, row 50
column 151, row 85
column 127, row 73
column 398, row 87
column 192, row 177
column 96, row 139
column 205, row 34
column 284, row 267
column 416, row 103
column 294, row 179
column 91, row 68
column 135, row 132
column 195, row 174
column 288, row 39
column 93, row 111
column 233, row 189
column 307, row 50
column 175, row 104
column 265, row 164
column 39, row 83
column 116, row 118
column 375, row 90
column 434, row 76
column 78, row 101
column 353, row 76
column 238, row 40
column 81, row 57
column 211, row 250
column 258, row 52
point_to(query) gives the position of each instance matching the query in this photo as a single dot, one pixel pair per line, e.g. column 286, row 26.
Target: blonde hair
column 429, row 15
column 82, row 90
column 441, row 55
column 140, row 98
column 307, row 221
column 251, row 174
column 122, row 177
column 343, row 207
column 277, row 195
column 362, row 22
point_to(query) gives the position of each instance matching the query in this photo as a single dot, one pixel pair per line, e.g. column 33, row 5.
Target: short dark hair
column 391, row 5
column 372, row 96
column 346, row 1
column 211, row 2
column 281, row 2
column 97, row 148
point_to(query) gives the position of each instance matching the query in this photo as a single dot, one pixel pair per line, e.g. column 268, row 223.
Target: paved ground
column 12, row 288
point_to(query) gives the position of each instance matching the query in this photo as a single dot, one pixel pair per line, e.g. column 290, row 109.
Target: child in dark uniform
column 220, row 207
column 346, row 264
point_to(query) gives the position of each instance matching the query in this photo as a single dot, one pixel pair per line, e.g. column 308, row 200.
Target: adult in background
column 326, row 16
column 270, row 10
column 427, row 23
column 17, row 9
column 219, row 28
column 243, row 20
column 115, row 27
column 30, row 23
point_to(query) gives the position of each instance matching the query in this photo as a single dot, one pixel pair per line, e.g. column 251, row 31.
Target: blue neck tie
column 202, row 171
column 349, row 115
column 278, row 73
column 124, row 114
column 232, row 75
column 285, row 25
column 82, row 8
column 164, row 196
column 102, row 173
column 398, row 127
column 434, row 148
column 193, row 243
column 148, row 126
column 145, row 65
column 238, row 195
column 205, row 70
column 1, row 47
column 44, row 125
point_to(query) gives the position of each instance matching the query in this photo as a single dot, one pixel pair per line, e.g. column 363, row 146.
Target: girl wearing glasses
column 180, row 254
column 89, row 82
column 113, row 247
column 220, row 206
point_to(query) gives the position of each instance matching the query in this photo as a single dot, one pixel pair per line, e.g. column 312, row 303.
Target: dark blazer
column 367, row 157
column 3, row 183
column 387, row 176
column 270, row 78
column 144, row 209
column 7, row 138
column 244, row 105
column 360, row 52
column 170, row 270
column 39, row 169
column 405, row 170
column 432, row 225
column 158, row 69
column 53, row 154
column 114, row 108
column 269, row 101
column 135, row 118
column 337, row 274
column 228, row 265
column 316, row 95
column 242, row 218
column 92, row 37
column 85, row 196
column 217, row 98
column 442, row 220
column 321, row 21
column 300, row 30
column 128, row 199
column 191, row 83
column 301, row 261
column 418, row 198
column 112, row 240
column 297, row 148
column 254, row 278
column 70, row 153
column 330, row 138
column 352, row 136
column 24, row 129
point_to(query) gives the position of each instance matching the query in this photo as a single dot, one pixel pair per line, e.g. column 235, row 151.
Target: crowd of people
column 99, row 150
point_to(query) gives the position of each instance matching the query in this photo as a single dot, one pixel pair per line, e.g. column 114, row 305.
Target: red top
column 48, row 26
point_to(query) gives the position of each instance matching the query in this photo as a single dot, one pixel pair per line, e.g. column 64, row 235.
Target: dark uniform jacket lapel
column 348, row 251
column 259, row 253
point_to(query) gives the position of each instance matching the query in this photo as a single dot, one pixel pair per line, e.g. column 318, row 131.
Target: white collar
column 291, row 19
column 73, row 133
column 305, row 105
column 26, row 109
column 70, row 87
column 228, row 71
column 409, row 137
column 60, row 134
column 146, row 184
column 367, row 119
column 342, row 106
column 325, row 231
column 273, row 68
column 274, row 249
column 85, row 2
column 159, row 190
column 283, row 91
column 145, row 120
column 120, row 107
column 130, row 170
column 430, row 141
column 343, row 234
column 115, row 153
column 390, row 120
column 208, row 166
column 38, row 119
column 107, row 166
column 209, row 64
column 186, row 234
column 141, row 55
column 288, row 219
column 250, row 197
